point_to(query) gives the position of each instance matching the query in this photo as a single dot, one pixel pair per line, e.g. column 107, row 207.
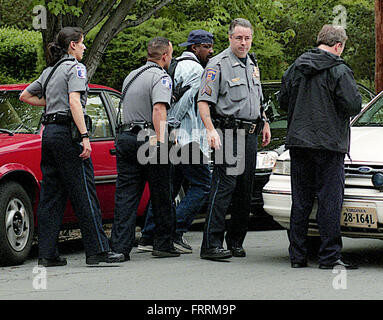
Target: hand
column 179, row 91
column 266, row 134
column 87, row 149
column 214, row 139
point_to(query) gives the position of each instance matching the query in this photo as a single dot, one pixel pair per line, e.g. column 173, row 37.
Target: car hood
column 364, row 145
column 363, row 150
column 18, row 141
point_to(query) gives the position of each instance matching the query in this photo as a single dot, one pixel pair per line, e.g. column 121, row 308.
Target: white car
column 362, row 212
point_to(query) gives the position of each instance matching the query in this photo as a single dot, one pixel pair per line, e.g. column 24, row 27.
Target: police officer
column 148, row 92
column 231, row 87
column 65, row 164
column 191, row 137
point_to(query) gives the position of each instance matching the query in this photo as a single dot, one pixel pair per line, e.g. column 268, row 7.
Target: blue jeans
column 199, row 178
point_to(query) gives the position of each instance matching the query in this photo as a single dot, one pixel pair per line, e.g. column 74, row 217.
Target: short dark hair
column 56, row 49
column 330, row 35
column 157, row 47
column 240, row 22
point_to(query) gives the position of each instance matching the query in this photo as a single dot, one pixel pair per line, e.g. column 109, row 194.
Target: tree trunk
column 104, row 36
column 93, row 12
column 378, row 46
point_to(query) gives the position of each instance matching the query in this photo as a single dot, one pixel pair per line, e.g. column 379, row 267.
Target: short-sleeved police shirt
column 69, row 77
column 231, row 86
column 150, row 87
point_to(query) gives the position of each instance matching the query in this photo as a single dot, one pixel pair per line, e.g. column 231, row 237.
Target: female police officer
column 65, row 164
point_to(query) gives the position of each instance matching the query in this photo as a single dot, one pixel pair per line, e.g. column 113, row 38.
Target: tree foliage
column 112, row 16
column 283, row 29
column 306, row 17
column 128, row 50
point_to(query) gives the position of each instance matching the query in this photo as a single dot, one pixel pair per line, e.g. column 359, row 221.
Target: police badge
column 256, row 73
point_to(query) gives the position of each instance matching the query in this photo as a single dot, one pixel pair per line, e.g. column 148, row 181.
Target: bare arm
column 159, row 121
column 266, row 132
column 213, row 138
column 78, row 118
column 31, row 99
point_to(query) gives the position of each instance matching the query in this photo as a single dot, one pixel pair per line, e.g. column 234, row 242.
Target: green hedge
column 21, row 55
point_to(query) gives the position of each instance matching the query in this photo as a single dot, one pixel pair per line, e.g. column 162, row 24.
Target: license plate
column 359, row 217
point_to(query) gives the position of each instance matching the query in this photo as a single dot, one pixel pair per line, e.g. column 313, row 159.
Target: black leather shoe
column 337, row 263
column 297, row 265
column 215, row 253
column 57, row 262
column 237, row 251
column 108, row 257
column 166, row 253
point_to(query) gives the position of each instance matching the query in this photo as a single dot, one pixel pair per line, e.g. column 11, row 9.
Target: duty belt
column 136, row 126
column 250, row 127
column 60, row 117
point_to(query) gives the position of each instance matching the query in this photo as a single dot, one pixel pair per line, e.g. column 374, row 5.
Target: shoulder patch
column 211, row 74
column 166, row 82
column 81, row 72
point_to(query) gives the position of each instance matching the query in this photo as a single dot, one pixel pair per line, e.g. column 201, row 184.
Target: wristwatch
column 84, row 135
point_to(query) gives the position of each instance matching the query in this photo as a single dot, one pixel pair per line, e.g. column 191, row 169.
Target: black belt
column 136, row 126
column 250, row 127
column 58, row 118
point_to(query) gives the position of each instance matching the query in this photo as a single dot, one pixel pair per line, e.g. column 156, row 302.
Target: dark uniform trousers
column 131, row 180
column 316, row 173
column 65, row 175
column 231, row 193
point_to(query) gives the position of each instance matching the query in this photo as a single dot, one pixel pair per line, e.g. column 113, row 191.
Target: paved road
column 264, row 274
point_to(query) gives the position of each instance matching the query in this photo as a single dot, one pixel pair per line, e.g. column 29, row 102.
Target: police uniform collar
column 69, row 56
column 152, row 63
column 235, row 60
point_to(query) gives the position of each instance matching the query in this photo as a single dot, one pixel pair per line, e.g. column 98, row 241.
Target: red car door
column 103, row 155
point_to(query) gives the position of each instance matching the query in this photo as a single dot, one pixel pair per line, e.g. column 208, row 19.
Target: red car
column 20, row 174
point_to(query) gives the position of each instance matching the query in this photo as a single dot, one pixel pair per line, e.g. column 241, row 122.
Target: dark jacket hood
column 317, row 60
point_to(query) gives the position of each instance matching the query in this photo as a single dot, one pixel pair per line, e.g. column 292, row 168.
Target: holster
column 76, row 135
column 136, row 126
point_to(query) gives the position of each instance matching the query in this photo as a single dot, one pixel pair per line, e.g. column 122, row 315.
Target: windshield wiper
column 6, row 131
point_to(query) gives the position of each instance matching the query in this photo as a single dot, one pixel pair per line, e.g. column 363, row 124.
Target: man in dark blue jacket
column 320, row 94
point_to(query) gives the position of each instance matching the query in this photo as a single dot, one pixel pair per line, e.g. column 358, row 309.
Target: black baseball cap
column 197, row 37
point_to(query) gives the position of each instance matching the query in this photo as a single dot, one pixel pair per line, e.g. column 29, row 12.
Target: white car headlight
column 282, row 167
column 266, row 159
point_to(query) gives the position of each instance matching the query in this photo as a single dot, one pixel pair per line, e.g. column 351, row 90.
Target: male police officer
column 231, row 86
column 191, row 136
column 148, row 96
